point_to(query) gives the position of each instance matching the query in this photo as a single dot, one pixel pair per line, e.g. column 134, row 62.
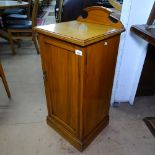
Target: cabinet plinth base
column 75, row 141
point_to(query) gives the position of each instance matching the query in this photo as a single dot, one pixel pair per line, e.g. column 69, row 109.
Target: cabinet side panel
column 101, row 59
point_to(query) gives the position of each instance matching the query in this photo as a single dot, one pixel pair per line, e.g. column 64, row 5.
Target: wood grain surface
column 78, row 78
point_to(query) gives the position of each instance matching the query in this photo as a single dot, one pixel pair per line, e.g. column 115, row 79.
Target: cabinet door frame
column 80, row 62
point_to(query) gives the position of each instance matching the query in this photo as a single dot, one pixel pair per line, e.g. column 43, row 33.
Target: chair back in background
column 35, row 13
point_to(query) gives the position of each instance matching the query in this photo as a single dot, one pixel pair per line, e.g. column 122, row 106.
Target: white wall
column 132, row 51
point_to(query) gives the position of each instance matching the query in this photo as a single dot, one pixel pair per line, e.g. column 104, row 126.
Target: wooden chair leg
column 11, row 42
column 34, row 38
column 4, row 81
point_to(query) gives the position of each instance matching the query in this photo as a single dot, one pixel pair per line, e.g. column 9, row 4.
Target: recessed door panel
column 61, row 67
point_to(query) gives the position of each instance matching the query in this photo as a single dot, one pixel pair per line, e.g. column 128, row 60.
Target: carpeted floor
column 23, row 128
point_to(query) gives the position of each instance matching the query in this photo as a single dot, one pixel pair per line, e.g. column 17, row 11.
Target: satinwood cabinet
column 78, row 62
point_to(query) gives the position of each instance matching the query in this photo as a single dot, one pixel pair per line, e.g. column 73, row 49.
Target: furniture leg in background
column 2, row 75
column 23, row 29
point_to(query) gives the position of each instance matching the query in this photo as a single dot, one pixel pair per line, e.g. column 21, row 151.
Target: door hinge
column 44, row 75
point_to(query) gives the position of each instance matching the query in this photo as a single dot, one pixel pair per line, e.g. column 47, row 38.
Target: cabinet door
column 60, row 65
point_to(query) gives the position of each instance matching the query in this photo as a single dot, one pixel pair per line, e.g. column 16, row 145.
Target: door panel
column 61, row 67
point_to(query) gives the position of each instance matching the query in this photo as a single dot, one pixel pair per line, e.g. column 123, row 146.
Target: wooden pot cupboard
column 78, row 62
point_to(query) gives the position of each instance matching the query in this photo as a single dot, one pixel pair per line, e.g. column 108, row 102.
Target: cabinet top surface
column 80, row 33
column 95, row 27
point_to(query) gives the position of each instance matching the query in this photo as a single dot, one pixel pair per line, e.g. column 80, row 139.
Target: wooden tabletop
column 12, row 4
column 79, row 33
column 144, row 32
column 84, row 31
